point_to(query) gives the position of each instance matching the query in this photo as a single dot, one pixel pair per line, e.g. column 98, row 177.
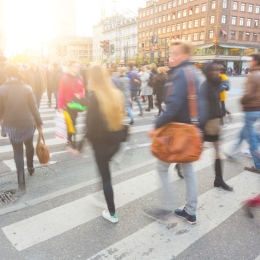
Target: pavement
column 58, row 216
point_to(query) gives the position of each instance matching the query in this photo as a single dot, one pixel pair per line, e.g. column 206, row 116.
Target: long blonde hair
column 110, row 99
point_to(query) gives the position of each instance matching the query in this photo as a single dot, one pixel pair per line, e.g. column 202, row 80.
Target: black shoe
column 220, row 183
column 178, row 169
column 252, row 169
column 31, row 170
column 181, row 213
column 147, row 109
column 131, row 122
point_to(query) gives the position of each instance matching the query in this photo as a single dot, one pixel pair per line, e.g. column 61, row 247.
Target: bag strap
column 192, row 96
column 41, row 137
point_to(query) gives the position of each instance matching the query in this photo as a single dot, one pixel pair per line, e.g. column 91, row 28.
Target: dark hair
column 130, row 65
column 256, row 57
column 13, row 70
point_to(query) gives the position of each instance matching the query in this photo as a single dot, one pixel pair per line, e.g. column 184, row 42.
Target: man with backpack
column 135, row 85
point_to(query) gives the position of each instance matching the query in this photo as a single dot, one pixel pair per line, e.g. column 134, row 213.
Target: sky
column 27, row 22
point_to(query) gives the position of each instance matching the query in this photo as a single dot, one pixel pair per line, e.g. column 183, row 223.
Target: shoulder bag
column 42, row 150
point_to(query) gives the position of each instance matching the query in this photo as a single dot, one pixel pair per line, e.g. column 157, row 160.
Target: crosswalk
column 67, row 218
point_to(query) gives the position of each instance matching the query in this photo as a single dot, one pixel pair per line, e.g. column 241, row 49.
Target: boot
column 219, row 182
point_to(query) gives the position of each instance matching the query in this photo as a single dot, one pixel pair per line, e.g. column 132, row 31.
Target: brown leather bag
column 178, row 142
column 42, row 150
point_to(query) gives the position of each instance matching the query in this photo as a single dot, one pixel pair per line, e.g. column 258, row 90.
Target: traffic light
column 64, row 50
column 59, row 50
column 106, row 49
column 112, row 48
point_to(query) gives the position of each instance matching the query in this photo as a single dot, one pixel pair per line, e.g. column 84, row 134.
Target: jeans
column 19, row 161
column 241, row 136
column 134, row 98
column 190, row 181
column 253, row 139
column 129, row 112
column 103, row 154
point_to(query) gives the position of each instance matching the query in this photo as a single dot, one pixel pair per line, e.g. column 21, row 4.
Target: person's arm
column 92, row 117
column 252, row 83
column 175, row 98
column 33, row 108
column 224, row 85
column 61, row 95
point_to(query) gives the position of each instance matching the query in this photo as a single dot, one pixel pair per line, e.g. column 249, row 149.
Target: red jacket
column 69, row 85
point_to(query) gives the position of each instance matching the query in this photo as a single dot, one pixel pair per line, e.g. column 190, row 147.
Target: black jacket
column 17, row 105
column 159, row 82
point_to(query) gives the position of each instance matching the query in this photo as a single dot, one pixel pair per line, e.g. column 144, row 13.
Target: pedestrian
column 2, row 81
column 210, row 110
column 251, row 106
column 177, row 110
column 135, row 85
column 71, row 89
column 146, row 89
column 159, row 81
column 20, row 116
column 104, row 117
column 36, row 78
column 123, row 86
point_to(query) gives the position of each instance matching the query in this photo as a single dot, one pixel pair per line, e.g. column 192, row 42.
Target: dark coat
column 177, row 107
column 159, row 82
column 17, row 105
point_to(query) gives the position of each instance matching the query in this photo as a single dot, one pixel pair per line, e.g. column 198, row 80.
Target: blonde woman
column 104, row 117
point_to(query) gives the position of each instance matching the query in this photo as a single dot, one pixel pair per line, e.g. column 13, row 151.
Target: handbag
column 213, row 127
column 120, row 135
column 179, row 142
column 42, row 150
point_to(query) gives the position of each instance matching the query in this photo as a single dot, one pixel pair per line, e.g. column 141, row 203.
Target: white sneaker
column 106, row 215
column 247, row 153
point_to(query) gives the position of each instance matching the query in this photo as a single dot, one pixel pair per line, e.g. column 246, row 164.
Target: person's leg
column 19, row 162
column 130, row 112
column 223, row 108
column 38, row 98
column 134, row 97
column 253, row 138
column 49, row 92
column 29, row 151
column 191, row 188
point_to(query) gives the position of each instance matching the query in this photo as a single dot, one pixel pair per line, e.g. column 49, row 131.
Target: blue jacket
column 177, row 108
column 129, row 75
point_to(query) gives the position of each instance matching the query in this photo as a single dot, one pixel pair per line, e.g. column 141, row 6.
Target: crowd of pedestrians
column 109, row 94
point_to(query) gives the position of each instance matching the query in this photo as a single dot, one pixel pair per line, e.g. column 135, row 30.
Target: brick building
column 225, row 30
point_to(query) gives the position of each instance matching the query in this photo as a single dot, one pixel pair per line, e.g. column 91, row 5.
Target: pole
column 153, row 42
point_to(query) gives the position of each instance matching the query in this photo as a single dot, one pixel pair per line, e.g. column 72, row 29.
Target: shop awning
column 224, row 32
column 234, row 46
column 204, row 46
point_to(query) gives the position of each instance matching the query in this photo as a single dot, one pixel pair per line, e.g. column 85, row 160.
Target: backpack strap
column 192, row 96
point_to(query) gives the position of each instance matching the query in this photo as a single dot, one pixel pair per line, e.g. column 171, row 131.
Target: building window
column 164, row 6
column 250, row 8
column 164, row 29
column 223, row 19
column 179, row 14
column 235, row 5
column 184, row 13
column 179, row 2
column 257, row 9
column 169, row 5
column 168, row 29
column 212, row 19
column 225, row 4
column 185, row 1
column 173, row 15
column 203, row 8
column 196, row 23
column 201, row 36
column 189, row 37
column 248, row 22
column 190, row 24
column 234, row 20
column 147, row 23
column 159, row 8
column 147, row 12
column 147, row 33
column 213, row 5
column 169, row 17
column 211, row 34
column 195, row 36
column 183, row 37
column 151, row 22
column 173, row 28
column 240, row 36
column 232, row 35
column 255, row 37
column 184, row 25
column 178, row 27
column 243, row 7
column 143, row 24
column 241, row 21
column 143, row 34
column 151, row 11
column 190, row 10
column 163, row 18
column 159, row 30
column 247, row 36
column 159, row 19
column 197, row 9
column 202, row 22
column 256, row 23
column 174, row 3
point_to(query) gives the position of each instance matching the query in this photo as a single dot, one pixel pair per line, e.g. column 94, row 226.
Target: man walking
column 36, row 78
column 251, row 106
column 177, row 110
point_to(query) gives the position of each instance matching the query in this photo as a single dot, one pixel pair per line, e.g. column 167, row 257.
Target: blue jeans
column 253, row 139
column 129, row 112
column 134, row 98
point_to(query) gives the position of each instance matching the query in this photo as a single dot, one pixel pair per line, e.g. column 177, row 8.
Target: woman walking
column 211, row 114
column 146, row 89
column 20, row 115
column 159, row 80
column 104, row 119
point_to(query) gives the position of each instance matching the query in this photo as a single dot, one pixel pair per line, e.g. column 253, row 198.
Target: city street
column 58, row 218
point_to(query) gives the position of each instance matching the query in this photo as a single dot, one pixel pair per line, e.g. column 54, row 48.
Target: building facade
column 225, row 30
column 97, row 38
column 121, row 31
column 2, row 28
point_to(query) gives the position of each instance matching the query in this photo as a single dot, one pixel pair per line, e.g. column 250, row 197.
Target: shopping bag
column 42, row 150
column 61, row 126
